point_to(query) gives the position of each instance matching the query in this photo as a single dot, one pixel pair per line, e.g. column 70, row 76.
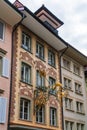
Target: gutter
column 10, row 95
column 62, row 53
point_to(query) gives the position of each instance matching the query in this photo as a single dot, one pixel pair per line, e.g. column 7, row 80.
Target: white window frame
column 5, row 67
column 26, row 73
column 78, row 88
column 40, row 114
column 76, row 69
column 79, row 107
column 69, row 103
column 26, row 45
column 51, row 58
column 22, row 113
column 53, row 116
column 67, row 83
column 40, row 50
column 69, row 125
column 66, row 63
column 40, row 80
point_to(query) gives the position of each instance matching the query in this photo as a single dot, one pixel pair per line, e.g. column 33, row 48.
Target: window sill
column 79, row 93
column 68, row 89
column 77, row 75
column 26, row 83
column 82, row 113
column 67, row 69
column 43, row 88
column 26, row 120
column 54, row 126
column 41, row 123
column 71, row 110
column 52, row 65
column 40, row 58
column 26, row 49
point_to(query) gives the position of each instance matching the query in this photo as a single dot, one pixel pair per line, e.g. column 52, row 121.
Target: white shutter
column 3, row 103
column 5, row 67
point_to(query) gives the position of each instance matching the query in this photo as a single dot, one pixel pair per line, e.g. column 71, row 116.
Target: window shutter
column 3, row 102
column 5, row 67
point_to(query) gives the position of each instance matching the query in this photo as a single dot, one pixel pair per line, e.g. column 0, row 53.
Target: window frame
column 68, row 124
column 78, row 88
column 2, row 39
column 40, row 114
column 66, row 64
column 69, row 104
column 39, row 50
column 53, row 81
column 76, row 69
column 79, row 107
column 22, row 112
column 23, row 78
column 53, row 116
column 51, row 58
column 40, row 80
column 24, row 46
column 67, row 83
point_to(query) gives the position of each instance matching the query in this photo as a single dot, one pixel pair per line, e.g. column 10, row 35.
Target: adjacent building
column 7, row 23
column 73, row 79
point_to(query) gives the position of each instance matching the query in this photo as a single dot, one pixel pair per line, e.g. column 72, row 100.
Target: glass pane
column 1, row 30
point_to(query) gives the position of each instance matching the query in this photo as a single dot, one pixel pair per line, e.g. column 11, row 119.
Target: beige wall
column 73, row 115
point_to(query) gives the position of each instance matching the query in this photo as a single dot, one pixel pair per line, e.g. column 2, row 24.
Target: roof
column 9, row 13
column 76, row 55
column 40, row 29
column 49, row 12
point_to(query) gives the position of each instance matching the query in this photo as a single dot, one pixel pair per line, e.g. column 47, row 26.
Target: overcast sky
column 74, row 15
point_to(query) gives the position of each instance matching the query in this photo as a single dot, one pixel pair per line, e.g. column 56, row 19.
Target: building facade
column 35, row 48
column 6, row 27
column 73, row 79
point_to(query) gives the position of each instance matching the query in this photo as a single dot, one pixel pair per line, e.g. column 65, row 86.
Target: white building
column 73, row 79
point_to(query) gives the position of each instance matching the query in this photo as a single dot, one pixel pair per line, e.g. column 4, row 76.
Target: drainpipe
column 13, row 31
column 62, row 53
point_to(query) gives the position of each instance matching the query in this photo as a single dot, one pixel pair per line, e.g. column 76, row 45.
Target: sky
column 74, row 15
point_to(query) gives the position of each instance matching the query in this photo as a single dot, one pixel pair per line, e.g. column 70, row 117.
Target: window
column 40, row 80
column 26, row 73
column 3, row 104
column 40, row 114
column 79, row 107
column 76, row 69
column 67, row 83
column 25, row 109
column 69, row 103
column 26, row 41
column 51, row 83
column 51, row 58
column 66, row 64
column 4, row 67
column 1, row 30
column 40, row 51
column 80, row 126
column 69, row 125
column 78, row 88
column 53, row 116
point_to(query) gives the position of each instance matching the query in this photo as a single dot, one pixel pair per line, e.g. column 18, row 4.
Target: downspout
column 62, row 53
column 14, row 29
